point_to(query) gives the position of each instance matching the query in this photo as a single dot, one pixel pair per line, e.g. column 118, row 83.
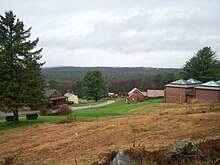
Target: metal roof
column 208, row 88
column 211, row 84
column 186, row 82
column 193, row 81
column 180, row 82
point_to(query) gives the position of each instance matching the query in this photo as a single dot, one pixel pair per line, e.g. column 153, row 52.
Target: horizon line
column 59, row 66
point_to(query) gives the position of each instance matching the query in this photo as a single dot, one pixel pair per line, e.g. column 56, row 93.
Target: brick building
column 180, row 91
column 208, row 92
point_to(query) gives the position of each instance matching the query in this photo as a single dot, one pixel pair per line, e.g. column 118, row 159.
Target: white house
column 73, row 98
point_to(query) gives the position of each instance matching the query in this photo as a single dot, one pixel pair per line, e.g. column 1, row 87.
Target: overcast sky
column 132, row 33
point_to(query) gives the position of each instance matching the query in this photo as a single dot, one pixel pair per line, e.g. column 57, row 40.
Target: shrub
column 71, row 117
column 43, row 111
column 70, row 102
column 64, row 110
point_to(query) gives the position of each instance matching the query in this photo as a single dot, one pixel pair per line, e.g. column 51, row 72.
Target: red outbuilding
column 208, row 92
column 135, row 95
column 180, row 91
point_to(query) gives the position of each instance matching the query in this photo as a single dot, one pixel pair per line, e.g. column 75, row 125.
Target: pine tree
column 93, row 86
column 202, row 66
column 20, row 80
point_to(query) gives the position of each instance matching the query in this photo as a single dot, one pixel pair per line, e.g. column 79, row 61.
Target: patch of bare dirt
column 86, row 142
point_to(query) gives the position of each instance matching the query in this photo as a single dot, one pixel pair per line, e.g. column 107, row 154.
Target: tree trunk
column 16, row 118
column 96, row 99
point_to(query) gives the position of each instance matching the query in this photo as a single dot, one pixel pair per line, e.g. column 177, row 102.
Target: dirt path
column 86, row 142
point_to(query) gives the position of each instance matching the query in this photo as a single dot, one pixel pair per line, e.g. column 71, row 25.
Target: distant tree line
column 203, row 66
column 123, row 86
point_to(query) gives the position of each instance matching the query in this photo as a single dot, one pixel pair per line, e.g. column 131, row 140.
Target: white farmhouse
column 73, row 98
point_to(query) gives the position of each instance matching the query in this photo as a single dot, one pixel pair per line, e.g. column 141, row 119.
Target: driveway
column 92, row 106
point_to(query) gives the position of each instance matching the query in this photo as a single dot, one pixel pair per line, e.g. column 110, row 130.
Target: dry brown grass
column 88, row 141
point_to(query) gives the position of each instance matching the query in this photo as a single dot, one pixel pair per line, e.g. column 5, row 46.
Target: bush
column 64, row 110
column 70, row 102
column 69, row 119
column 43, row 111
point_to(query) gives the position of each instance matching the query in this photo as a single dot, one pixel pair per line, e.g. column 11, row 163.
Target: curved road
column 92, row 106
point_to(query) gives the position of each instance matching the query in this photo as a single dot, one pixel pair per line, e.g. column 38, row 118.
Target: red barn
column 135, row 95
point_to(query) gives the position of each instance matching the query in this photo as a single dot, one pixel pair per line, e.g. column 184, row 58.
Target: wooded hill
column 118, row 79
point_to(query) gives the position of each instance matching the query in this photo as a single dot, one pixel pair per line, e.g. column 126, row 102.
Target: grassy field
column 24, row 122
column 116, row 109
column 92, row 102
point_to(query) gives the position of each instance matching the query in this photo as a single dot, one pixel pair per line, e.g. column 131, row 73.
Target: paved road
column 92, row 106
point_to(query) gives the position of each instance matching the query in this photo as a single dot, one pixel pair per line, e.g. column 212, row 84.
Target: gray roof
column 180, row 82
column 193, row 81
column 68, row 94
column 184, row 83
column 211, row 84
column 49, row 92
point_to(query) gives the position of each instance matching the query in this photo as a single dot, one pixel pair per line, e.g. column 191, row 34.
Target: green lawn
column 90, row 102
column 2, row 118
column 24, row 122
column 115, row 109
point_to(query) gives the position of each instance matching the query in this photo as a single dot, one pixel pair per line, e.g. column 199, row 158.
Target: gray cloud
column 120, row 33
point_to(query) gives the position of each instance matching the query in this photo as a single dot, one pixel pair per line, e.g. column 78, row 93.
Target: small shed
column 135, row 95
column 208, row 92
